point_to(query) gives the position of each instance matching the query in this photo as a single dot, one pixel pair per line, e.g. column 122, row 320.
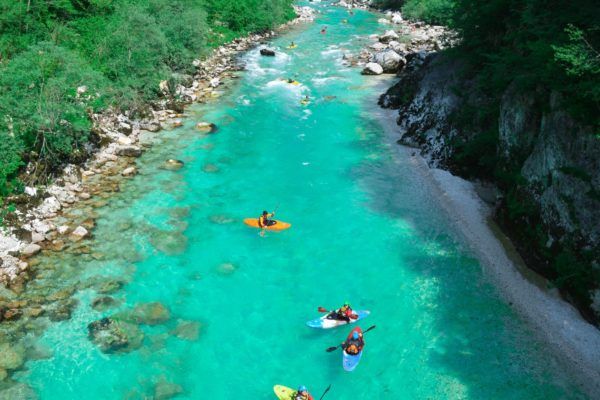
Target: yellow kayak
column 293, row 46
column 295, row 83
column 278, row 226
column 305, row 102
column 283, row 392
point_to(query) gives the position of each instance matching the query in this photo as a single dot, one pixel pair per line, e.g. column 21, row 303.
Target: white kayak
column 326, row 322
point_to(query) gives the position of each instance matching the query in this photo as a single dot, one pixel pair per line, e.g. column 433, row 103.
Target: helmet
column 347, row 303
column 302, row 388
column 355, row 335
column 265, row 212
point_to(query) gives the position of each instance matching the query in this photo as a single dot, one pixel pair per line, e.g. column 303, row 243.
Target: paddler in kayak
column 344, row 313
column 302, row 394
column 264, row 220
column 354, row 344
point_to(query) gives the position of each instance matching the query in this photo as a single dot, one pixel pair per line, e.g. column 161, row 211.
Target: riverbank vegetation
column 115, row 52
column 546, row 51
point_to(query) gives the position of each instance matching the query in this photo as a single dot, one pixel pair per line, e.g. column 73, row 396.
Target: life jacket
column 299, row 396
column 354, row 346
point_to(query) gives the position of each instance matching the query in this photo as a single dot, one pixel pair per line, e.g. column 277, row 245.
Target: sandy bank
column 556, row 322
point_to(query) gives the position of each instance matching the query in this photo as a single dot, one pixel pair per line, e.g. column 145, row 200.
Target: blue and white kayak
column 349, row 361
column 327, row 323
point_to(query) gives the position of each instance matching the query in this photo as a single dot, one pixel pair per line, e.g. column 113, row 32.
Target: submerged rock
column 168, row 242
column 104, row 303
column 62, row 310
column 108, row 285
column 112, row 336
column 18, row 391
column 164, row 390
column 154, row 313
column 221, row 219
column 187, row 330
column 11, row 357
column 172, row 165
column 210, row 168
column 226, row 269
column 206, row 127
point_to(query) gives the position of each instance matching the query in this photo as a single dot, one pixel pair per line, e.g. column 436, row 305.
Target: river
column 365, row 228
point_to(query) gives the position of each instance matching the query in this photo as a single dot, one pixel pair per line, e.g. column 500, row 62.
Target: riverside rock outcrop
column 536, row 138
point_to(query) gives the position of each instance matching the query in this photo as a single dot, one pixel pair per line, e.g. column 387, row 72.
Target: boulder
column 151, row 126
column 30, row 191
column 267, row 52
column 390, row 61
column 129, row 171
column 388, row 36
column 206, row 127
column 125, row 128
column 129, row 151
column 397, row 18
column 30, row 250
column 378, row 46
column 372, row 69
column 79, row 233
column 398, row 47
column 112, row 336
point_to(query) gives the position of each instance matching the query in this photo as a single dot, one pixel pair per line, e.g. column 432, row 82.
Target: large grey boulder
column 390, row 61
column 372, row 69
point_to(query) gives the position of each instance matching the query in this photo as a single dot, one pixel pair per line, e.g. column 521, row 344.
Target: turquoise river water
column 365, row 229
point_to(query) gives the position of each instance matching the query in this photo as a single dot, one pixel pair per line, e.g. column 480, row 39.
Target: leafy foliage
column 118, row 49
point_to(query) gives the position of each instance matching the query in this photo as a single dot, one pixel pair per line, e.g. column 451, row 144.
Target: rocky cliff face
column 551, row 206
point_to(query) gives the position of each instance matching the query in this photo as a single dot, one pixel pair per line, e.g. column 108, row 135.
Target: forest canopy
column 118, row 49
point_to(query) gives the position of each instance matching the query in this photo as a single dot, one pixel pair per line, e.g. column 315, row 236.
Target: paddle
column 325, row 392
column 330, row 349
column 323, row 309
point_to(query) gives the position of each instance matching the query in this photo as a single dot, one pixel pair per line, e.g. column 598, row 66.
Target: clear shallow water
column 365, row 228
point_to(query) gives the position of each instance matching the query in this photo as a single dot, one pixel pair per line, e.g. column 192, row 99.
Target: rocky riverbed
column 58, row 220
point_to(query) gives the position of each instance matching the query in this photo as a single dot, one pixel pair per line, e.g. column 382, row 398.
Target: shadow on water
column 472, row 327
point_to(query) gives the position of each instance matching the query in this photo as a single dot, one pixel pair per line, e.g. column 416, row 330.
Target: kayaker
column 344, row 313
column 264, row 220
column 302, row 394
column 324, row 30
column 355, row 344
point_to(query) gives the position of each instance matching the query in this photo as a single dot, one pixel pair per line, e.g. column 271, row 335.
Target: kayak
column 283, row 392
column 293, row 46
column 305, row 102
column 328, row 323
column 349, row 361
column 278, row 226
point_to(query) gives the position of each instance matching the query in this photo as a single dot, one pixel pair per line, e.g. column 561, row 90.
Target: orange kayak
column 278, row 226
